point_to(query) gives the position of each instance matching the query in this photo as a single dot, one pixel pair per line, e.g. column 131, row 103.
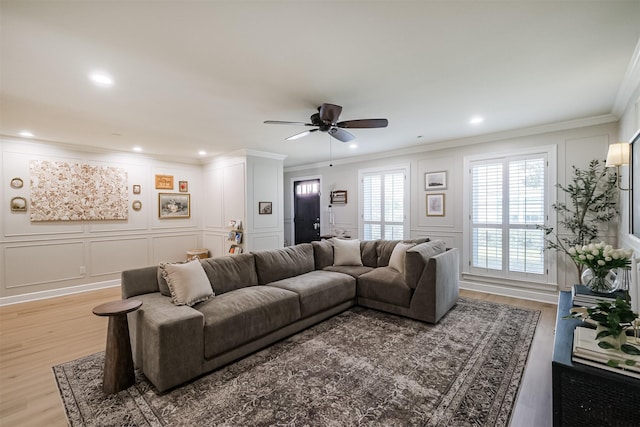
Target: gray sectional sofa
column 264, row 296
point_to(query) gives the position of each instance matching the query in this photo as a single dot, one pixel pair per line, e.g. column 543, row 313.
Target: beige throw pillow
column 398, row 255
column 346, row 252
column 187, row 282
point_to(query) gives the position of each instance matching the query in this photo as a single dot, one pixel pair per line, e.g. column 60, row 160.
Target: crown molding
column 630, row 83
column 472, row 140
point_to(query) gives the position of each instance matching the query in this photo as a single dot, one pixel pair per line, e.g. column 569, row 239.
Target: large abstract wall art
column 62, row 191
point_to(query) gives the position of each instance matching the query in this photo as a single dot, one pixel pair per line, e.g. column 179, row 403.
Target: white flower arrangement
column 600, row 257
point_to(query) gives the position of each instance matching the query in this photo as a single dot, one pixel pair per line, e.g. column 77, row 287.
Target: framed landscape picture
column 174, row 205
column 435, row 180
column 435, row 204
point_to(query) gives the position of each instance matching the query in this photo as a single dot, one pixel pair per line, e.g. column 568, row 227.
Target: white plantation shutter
column 384, row 204
column 508, row 200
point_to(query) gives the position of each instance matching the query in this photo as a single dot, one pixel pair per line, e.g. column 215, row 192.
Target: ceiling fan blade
column 300, row 135
column 329, row 113
column 364, row 123
column 278, row 122
column 341, row 135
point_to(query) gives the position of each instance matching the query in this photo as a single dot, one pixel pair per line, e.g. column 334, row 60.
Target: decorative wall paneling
column 575, row 146
column 88, row 254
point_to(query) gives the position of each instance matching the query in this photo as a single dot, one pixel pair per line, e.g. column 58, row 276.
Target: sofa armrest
column 139, row 281
column 167, row 340
column 437, row 289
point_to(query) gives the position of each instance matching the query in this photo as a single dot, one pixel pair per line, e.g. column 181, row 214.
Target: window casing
column 508, row 197
column 384, row 211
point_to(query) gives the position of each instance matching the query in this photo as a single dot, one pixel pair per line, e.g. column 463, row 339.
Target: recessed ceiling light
column 101, row 79
column 26, row 134
column 353, row 146
column 476, row 120
column 137, row 149
column 202, row 153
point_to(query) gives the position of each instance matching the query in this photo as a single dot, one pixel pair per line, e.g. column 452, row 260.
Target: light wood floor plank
column 37, row 335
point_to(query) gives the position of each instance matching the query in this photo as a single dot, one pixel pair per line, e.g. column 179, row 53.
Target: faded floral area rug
column 362, row 367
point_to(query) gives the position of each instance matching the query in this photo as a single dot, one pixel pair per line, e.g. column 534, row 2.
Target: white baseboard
column 34, row 296
column 550, row 297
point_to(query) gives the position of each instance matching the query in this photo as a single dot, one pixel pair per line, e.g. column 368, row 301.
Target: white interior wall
column 576, row 146
column 629, row 126
column 49, row 258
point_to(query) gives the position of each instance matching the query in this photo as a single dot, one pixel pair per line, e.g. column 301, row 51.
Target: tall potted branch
column 592, row 201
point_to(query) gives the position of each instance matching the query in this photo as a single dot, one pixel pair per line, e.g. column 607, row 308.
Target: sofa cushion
column 384, row 249
column 346, row 252
column 322, row 253
column 319, row 290
column 278, row 264
column 417, row 257
column 369, row 253
column 386, row 285
column 227, row 273
column 396, row 261
column 352, row 270
column 240, row 316
column 187, row 282
column 162, row 283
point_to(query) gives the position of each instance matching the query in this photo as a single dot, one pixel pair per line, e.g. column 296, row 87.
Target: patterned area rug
column 362, row 367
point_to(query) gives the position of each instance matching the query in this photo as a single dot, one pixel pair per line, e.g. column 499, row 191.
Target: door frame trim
column 292, row 192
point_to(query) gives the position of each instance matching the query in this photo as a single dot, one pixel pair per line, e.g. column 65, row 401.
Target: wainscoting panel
column 265, row 242
column 113, row 256
column 173, row 248
column 215, row 243
column 213, row 201
column 34, row 264
column 267, row 178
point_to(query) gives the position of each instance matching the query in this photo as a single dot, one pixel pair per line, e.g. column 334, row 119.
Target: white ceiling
column 204, row 75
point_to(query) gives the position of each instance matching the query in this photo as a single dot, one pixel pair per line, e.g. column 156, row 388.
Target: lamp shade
column 618, row 155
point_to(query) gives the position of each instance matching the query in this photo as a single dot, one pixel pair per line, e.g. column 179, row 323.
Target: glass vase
column 601, row 282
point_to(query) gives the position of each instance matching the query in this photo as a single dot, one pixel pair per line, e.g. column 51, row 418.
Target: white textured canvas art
column 62, row 191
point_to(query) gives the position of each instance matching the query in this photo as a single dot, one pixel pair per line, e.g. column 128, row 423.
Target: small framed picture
column 136, row 205
column 136, row 189
column 18, row 204
column 435, row 204
column 339, row 197
column 265, row 208
column 174, row 205
column 435, row 180
column 183, row 186
column 164, row 182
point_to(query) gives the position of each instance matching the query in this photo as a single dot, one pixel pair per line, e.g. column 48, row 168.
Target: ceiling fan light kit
column 326, row 120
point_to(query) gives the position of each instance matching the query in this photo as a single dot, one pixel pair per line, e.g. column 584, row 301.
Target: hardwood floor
column 37, row 335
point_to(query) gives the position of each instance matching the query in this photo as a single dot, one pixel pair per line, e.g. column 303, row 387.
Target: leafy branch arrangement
column 593, row 200
column 613, row 318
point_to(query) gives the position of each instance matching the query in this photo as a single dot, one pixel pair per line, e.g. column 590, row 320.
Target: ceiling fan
column 326, row 120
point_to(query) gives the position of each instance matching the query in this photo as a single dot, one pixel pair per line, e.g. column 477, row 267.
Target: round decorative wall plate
column 17, row 183
column 136, row 205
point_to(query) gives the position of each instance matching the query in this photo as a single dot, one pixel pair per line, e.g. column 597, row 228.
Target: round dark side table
column 118, row 363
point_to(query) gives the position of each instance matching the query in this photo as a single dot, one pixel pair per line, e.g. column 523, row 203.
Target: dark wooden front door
column 306, row 204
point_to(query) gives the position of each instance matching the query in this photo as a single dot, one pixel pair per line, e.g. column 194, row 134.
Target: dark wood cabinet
column 585, row 395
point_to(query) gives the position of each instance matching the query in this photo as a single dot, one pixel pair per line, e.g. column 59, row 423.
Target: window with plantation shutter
column 383, row 200
column 508, row 199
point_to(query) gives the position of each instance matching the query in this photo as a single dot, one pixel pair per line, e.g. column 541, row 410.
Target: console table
column 585, row 395
column 118, row 362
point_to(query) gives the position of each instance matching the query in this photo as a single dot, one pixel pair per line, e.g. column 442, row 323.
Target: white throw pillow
column 398, row 255
column 187, row 282
column 346, row 252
